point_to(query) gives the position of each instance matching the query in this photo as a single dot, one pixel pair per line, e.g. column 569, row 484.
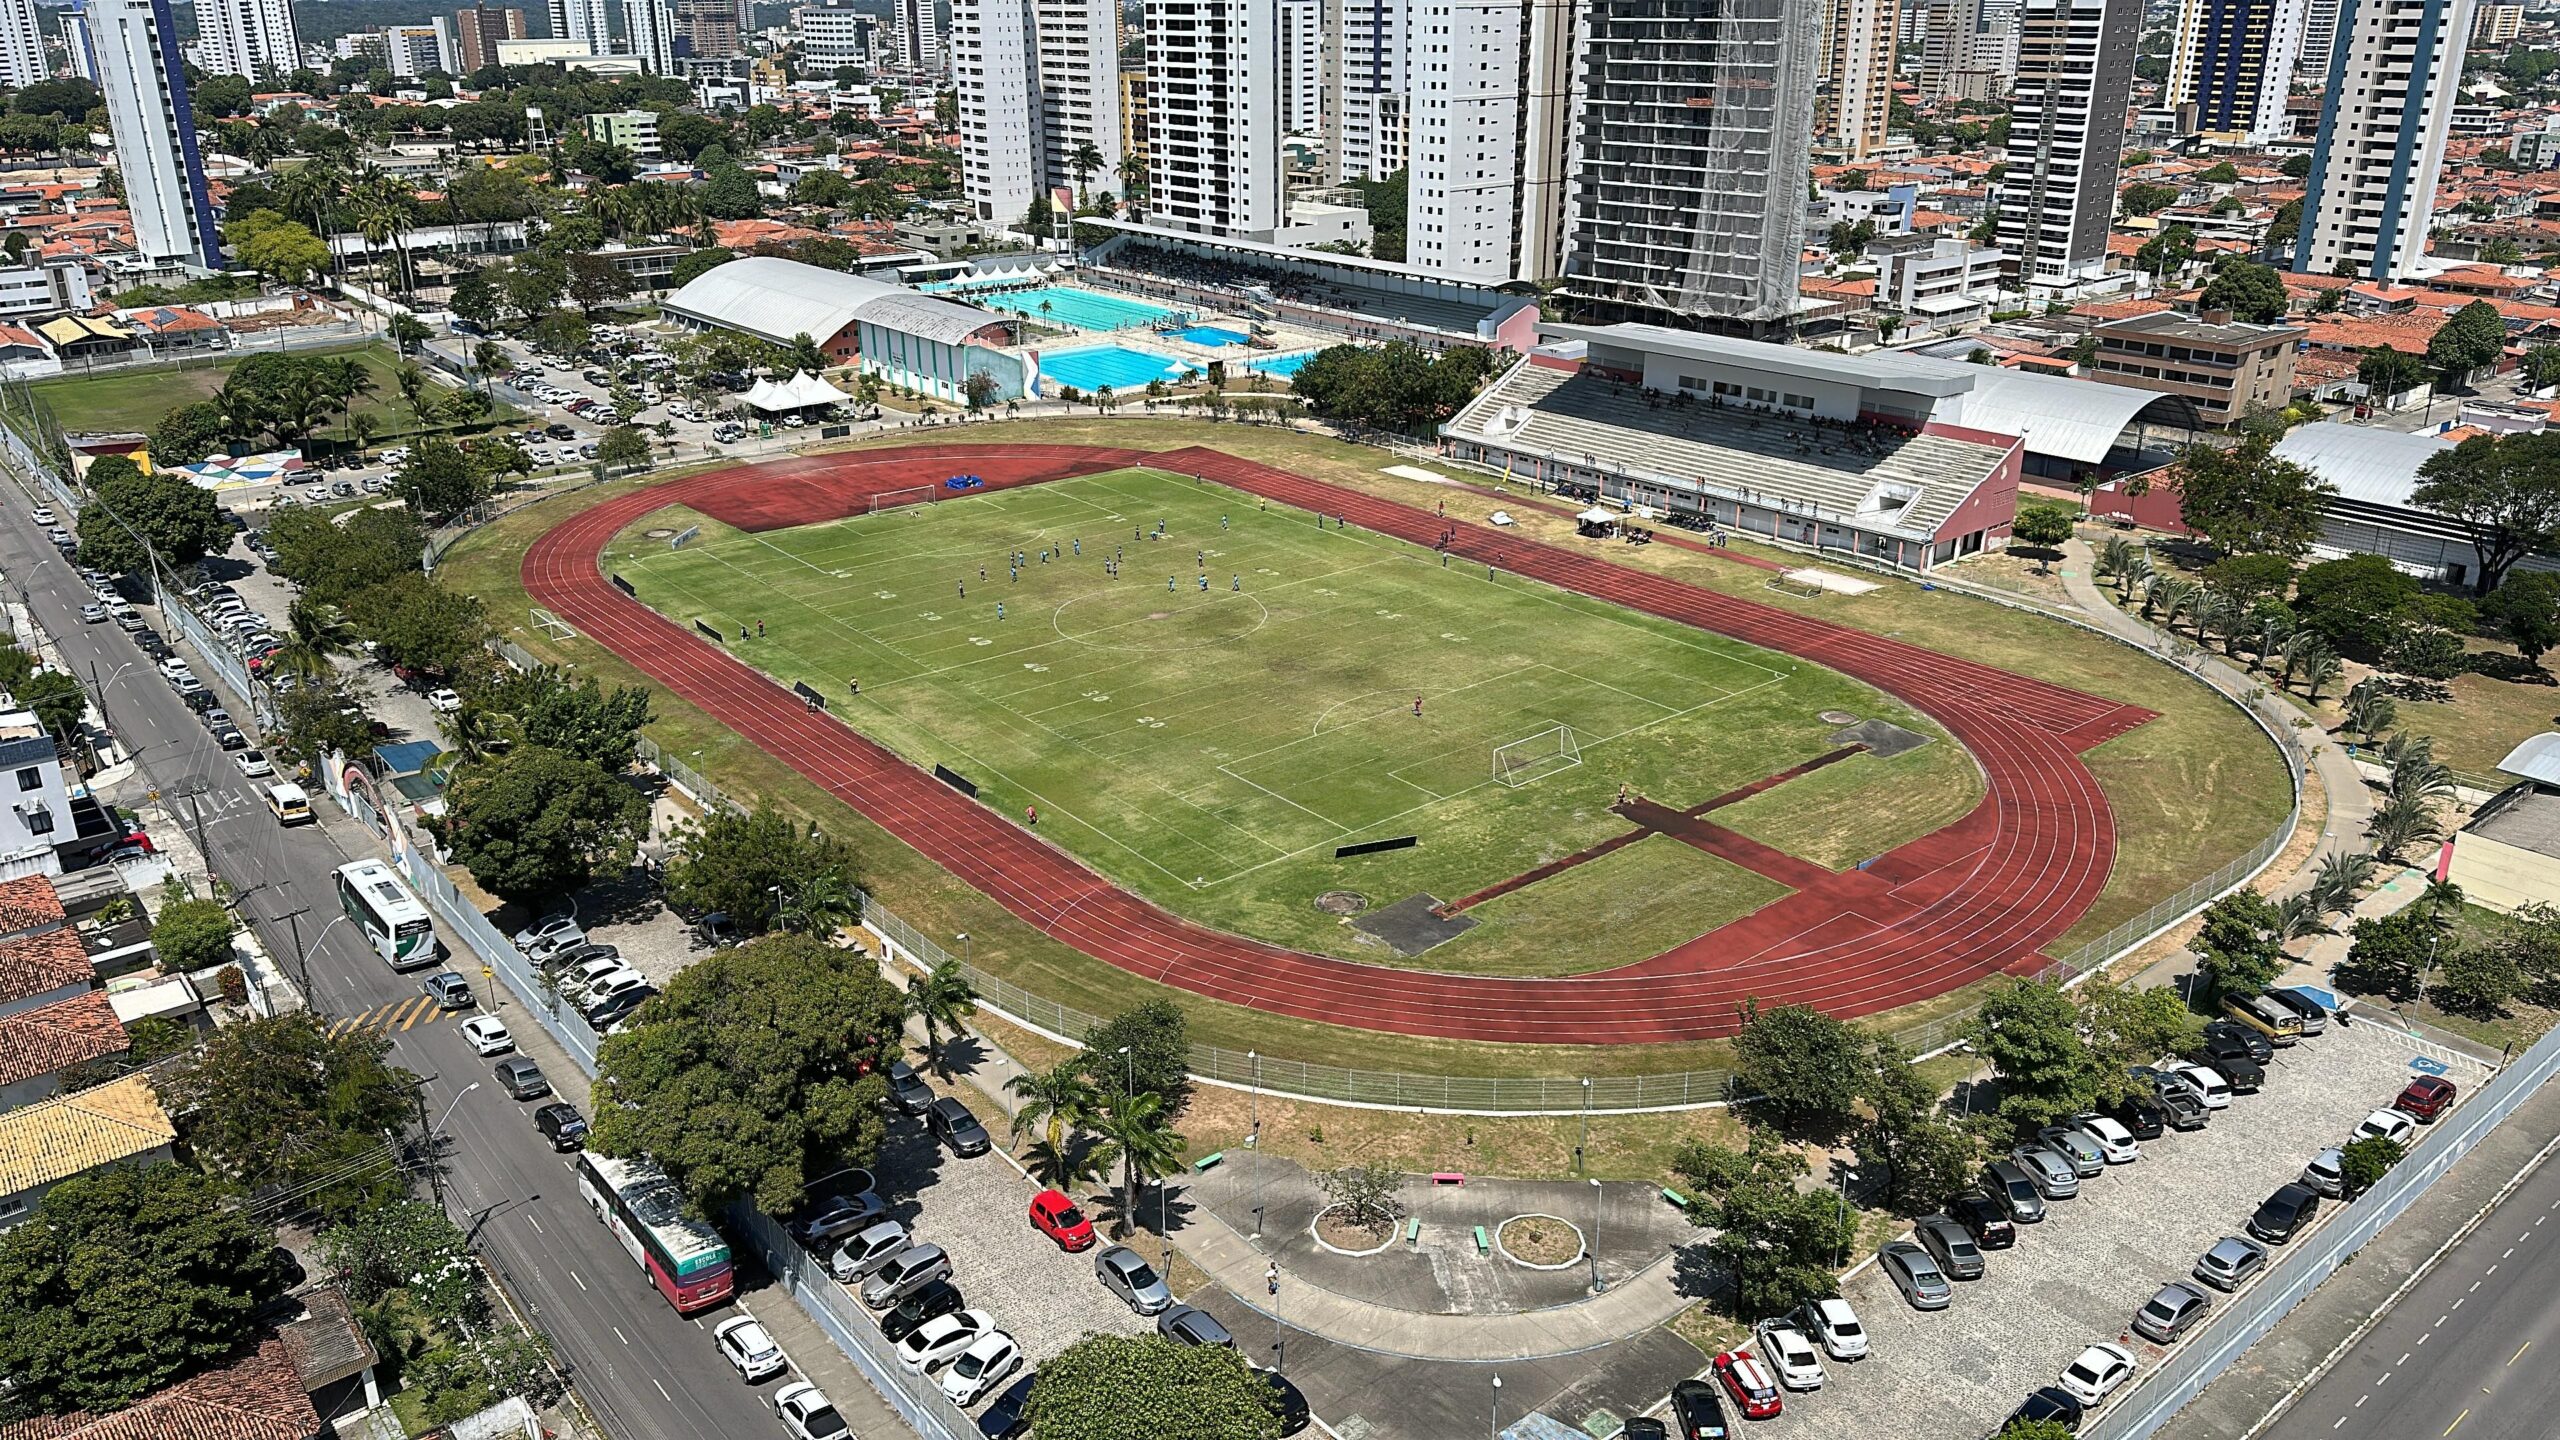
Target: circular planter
column 1501, row 1242
column 1315, row 1229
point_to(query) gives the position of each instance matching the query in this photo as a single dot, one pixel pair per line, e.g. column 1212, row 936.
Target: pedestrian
column 1168, row 584
column 1204, row 582
column 1031, row 815
column 853, row 685
column 1200, row 558
column 759, row 629
column 999, row 612
column 982, row 572
column 1016, row 574
column 964, row 589
column 1079, row 549
column 1236, row 584
column 1417, row 707
column 1444, row 559
column 742, row 632
column 1222, row 522
column 1622, row 792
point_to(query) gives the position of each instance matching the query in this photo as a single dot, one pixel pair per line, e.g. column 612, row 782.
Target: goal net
column 912, row 495
column 1518, row 762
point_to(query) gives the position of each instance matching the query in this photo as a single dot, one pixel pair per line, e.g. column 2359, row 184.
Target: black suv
column 2245, row 1074
column 1696, row 1411
column 951, row 1123
column 562, row 1125
column 2139, row 1115
column 1984, row 1220
column 2230, row 1037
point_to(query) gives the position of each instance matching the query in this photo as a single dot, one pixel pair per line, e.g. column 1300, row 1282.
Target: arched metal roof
column 776, row 299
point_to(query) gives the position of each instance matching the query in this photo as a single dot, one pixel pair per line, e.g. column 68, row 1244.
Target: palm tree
column 826, row 903
column 1082, row 161
column 2415, row 772
column 360, row 428
column 1138, row 1137
column 2113, row 557
column 939, row 997
column 2322, row 669
column 1061, row 1167
column 2137, row 573
column 2399, row 823
column 384, row 209
column 2275, row 626
column 2299, row 915
column 1062, row 1096
column 1133, row 181
column 412, row 384
column 2340, row 876
column 320, row 633
column 1104, row 398
column 2370, row 708
column 488, row 357
column 475, row 732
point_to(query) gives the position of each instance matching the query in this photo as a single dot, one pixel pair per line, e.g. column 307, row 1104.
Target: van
column 2279, row 1024
column 289, row 804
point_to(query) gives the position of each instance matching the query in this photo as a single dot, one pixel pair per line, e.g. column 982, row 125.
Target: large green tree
column 334, row 558
column 2238, row 951
column 1158, row 1040
column 417, row 623
column 576, row 716
column 2246, row 501
column 2390, row 955
column 125, row 1280
column 2253, row 293
column 2125, row 1025
column 188, row 433
column 1394, row 387
column 2029, row 1030
column 2355, row 602
column 735, row 863
column 535, row 823
column 760, row 1069
column 1803, row 1068
column 137, row 515
column 2505, row 492
column 439, row 480
column 1121, row 1387
column 1922, row 1156
column 2526, row 610
column 1781, row 1244
column 2470, row 339
column 192, row 934
column 282, row 1102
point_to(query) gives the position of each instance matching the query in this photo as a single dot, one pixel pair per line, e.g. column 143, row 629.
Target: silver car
column 1125, row 1274
column 2053, row 1176
column 1915, row 1273
column 2231, row 1261
column 907, row 1272
column 867, row 1251
column 2169, row 1314
column 2086, row 1156
column 2327, row 1173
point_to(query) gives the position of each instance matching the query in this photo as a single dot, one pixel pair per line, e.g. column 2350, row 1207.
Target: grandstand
column 1853, row 453
column 1347, row 295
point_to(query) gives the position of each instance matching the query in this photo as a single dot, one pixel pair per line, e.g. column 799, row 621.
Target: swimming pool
column 1081, row 309
column 1117, row 366
column 1213, row 335
column 1282, row 365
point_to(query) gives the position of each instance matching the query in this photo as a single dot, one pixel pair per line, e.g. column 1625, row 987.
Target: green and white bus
column 391, row 918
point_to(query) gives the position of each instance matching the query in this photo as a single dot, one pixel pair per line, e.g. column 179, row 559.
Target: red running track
column 1979, row 897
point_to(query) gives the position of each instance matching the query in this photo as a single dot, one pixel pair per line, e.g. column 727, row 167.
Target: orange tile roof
column 256, row 1397
column 52, row 1038
column 2119, row 309
column 28, row 904
column 2407, row 333
column 47, row 960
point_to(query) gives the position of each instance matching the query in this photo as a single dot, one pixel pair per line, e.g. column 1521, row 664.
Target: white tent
column 800, row 392
column 1597, row 516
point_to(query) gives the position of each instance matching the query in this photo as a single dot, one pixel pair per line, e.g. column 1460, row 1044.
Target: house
column 24, row 355
column 52, row 1015
column 259, row 1396
column 44, row 1144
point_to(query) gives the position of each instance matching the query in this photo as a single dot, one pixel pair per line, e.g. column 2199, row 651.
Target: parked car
column 1985, row 1219
column 547, row 933
column 807, row 1413
column 939, row 1298
column 450, row 990
column 952, row 1124
column 522, row 1079
column 2180, row 1107
column 2050, row 1403
column 2426, row 1097
column 907, row 1089
column 1295, row 1416
column 2083, row 1154
column 1008, row 1416
column 1836, row 1328
column 607, row 1015
column 867, row 1250
column 1696, row 1411
column 1915, row 1273
column 2392, row 1125
column 717, row 930
column 2096, row 1374
column 906, row 1273
column 1792, row 1357
column 2314, row 1019
column 2053, row 1176
column 2016, row 1193
column 2277, row 1022
column 2282, row 1215
column 1125, row 1274
column 1749, row 1383
column 2206, row 1085
column 1191, row 1325
column 93, row 614
column 2230, row 1263
column 746, row 1345
column 562, row 1125
column 980, row 1368
column 1950, row 1245
column 1057, row 1217
column 488, row 1035
column 2115, row 1140
column 2229, row 1037
column 832, row 1217
column 254, row 764
column 2170, row 1313
column 2241, row 1074
column 939, row 1339
column 2327, row 1173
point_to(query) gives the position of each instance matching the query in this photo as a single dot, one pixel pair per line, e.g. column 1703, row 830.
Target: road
column 2469, row 1352
column 648, row 1373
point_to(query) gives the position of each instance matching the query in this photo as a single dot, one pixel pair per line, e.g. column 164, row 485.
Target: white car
column 2097, row 1373
column 608, row 973
column 1837, row 1327
column 981, row 1368
column 807, row 1413
column 941, row 1339
column 1792, row 1357
column 744, row 1343
column 443, row 702
column 488, row 1035
column 543, row 929
column 42, row 514
column 2210, row 1089
column 93, row 614
column 253, row 763
column 2393, row 1125
column 2112, row 1139
column 174, row 668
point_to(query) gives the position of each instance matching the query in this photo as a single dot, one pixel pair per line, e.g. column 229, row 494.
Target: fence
column 2206, row 1354
column 918, row 1399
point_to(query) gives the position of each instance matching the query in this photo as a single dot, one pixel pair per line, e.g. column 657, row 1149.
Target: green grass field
column 135, row 399
column 1210, row 748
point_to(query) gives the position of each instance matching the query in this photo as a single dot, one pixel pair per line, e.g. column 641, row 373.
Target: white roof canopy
column 799, row 392
column 1597, row 516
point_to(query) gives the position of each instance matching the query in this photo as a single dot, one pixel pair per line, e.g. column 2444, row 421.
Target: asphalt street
column 648, row 1373
column 2468, row 1353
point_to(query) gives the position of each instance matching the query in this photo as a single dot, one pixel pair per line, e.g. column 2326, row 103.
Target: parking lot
column 2077, row 1278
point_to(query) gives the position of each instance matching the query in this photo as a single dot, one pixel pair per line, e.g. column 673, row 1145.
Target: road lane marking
column 2474, row 1290
column 2457, row 1421
column 2457, row 1302
column 2361, row 1399
column 2519, row 1352
column 2404, row 1358
column 2492, row 1270
column 662, row 1391
column 536, row 1222
column 2341, row 1421
column 2441, row 1319
column 2386, row 1378
column 625, row 1339
column 574, row 1276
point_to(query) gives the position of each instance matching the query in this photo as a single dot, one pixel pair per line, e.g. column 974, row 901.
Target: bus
column 391, row 918
column 686, row 1259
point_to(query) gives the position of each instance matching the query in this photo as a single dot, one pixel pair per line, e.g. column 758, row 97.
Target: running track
column 1979, row 897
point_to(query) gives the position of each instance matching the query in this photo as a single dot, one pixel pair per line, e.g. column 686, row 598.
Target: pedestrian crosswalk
column 393, row 1018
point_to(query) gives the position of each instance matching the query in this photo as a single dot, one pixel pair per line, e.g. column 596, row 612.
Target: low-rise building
column 44, row 1144
column 2224, row 368
column 633, row 130
column 1941, row 282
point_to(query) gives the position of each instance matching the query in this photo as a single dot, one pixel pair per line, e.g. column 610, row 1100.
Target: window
column 31, row 778
column 39, row 820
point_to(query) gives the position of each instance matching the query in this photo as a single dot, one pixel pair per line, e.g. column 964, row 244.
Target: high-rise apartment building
column 1968, row 51
column 249, row 38
column 1691, row 157
column 2383, row 120
column 1487, row 132
column 1853, row 77
column 1213, row 116
column 2233, row 60
column 1302, row 66
column 832, row 37
column 1365, row 52
column 915, row 36
column 76, row 39
column 584, row 21
column 1039, row 81
column 2066, row 134
column 703, row 29
column 649, row 27
column 2319, row 37
column 477, row 29
column 143, row 72
column 409, row 51
column 2497, row 25
column 22, row 61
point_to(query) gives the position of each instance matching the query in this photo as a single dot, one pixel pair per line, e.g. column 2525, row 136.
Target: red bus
column 686, row 1259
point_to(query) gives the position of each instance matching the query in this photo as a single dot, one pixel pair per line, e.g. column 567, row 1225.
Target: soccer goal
column 1518, row 762
column 911, row 495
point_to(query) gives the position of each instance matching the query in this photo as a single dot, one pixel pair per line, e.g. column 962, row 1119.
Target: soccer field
column 1210, row 748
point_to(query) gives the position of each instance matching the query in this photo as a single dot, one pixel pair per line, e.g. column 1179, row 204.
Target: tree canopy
column 2471, row 338
column 2505, row 492
column 733, row 863
column 2237, row 951
column 576, row 716
column 282, row 1102
column 536, row 823
column 137, row 515
column 760, row 1069
column 1159, row 1060
column 1121, row 1387
column 2030, row 1032
column 419, row 624
column 1394, row 387
column 2253, row 293
column 1782, row 1245
column 1804, row 1068
column 2246, row 501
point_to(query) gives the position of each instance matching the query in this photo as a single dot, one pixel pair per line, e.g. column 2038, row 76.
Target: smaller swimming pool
column 1212, row 335
column 1117, row 366
column 1282, row 365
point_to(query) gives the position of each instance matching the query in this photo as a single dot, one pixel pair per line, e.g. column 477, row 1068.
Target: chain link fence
column 918, row 1399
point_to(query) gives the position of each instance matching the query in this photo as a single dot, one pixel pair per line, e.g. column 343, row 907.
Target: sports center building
column 923, row 342
column 1903, row 460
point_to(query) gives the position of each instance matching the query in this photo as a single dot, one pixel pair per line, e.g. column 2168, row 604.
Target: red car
column 2427, row 1097
column 1748, row 1381
column 1057, row 1217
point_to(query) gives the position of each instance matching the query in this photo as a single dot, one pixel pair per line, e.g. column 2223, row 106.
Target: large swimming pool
column 1213, row 336
column 1069, row 306
column 1117, row 366
column 1282, row 365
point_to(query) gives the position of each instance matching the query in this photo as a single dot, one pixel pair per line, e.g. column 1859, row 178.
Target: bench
column 1208, row 1162
column 1674, row 1198
column 1484, row 1243
column 1448, row 1177
column 1413, row 1231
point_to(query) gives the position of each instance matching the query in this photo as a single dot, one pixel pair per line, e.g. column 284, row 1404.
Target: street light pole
column 435, row 1164
column 1845, row 1177
column 1585, row 1142
column 1253, row 1100
column 1494, row 1430
column 1597, row 1284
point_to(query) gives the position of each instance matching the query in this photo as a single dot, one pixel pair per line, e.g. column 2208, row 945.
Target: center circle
column 1142, row 618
